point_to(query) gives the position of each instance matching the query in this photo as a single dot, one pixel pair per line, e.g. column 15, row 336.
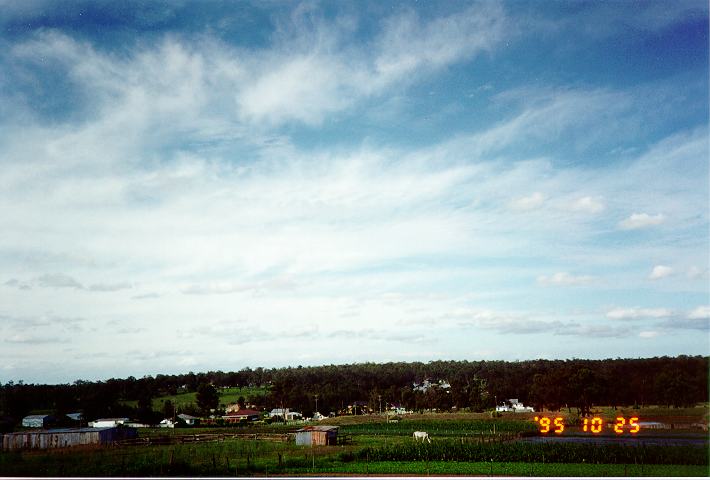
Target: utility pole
column 379, row 398
column 316, row 402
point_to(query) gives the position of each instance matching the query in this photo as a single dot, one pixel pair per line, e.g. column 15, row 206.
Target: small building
column 108, row 422
column 243, row 415
column 189, row 419
column 76, row 416
column 318, row 416
column 65, row 437
column 316, row 435
column 37, row 421
column 167, row 423
column 285, row 412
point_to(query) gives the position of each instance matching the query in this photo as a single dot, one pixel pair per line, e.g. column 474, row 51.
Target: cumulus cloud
column 660, row 271
column 641, row 220
column 636, row 313
column 564, row 279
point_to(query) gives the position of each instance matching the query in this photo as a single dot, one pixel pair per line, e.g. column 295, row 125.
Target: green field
column 463, row 445
column 226, row 396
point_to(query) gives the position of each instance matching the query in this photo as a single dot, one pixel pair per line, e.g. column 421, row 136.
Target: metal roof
column 36, row 417
column 318, row 428
column 243, row 412
column 63, row 430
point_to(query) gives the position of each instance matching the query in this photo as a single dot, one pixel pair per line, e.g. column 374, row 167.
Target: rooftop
column 318, row 428
column 63, row 430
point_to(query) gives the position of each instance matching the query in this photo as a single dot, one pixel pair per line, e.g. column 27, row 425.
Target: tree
column 168, row 409
column 207, row 397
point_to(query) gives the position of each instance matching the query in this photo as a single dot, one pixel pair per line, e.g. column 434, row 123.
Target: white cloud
column 319, row 79
column 180, row 177
column 649, row 334
column 588, row 205
column 660, row 271
column 641, row 220
column 564, row 279
column 635, row 313
column 530, row 202
column 701, row 312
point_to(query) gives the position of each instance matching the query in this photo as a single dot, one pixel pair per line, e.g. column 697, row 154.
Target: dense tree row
column 552, row 384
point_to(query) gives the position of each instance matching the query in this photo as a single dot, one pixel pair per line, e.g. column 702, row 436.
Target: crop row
column 537, row 452
column 440, row 427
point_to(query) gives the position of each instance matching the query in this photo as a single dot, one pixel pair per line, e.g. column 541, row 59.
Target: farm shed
column 37, row 421
column 317, row 435
column 64, row 437
column 108, row 422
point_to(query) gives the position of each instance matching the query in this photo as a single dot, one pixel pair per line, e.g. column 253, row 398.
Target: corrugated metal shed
column 317, row 435
column 36, row 421
column 64, row 437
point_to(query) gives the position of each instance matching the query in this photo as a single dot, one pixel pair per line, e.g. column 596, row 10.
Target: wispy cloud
column 282, row 179
column 57, row 280
column 588, row 205
column 635, row 313
column 564, row 279
column 530, row 202
column 109, row 287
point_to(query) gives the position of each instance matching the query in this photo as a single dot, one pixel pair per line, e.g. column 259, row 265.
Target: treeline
column 474, row 386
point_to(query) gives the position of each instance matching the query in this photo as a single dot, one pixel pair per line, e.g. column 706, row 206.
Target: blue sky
column 215, row 185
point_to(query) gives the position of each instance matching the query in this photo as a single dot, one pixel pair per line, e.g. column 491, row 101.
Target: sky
column 214, row 185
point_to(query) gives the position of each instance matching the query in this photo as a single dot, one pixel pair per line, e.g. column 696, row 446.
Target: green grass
column 508, row 469
column 226, row 396
column 441, row 428
column 232, row 394
column 247, row 458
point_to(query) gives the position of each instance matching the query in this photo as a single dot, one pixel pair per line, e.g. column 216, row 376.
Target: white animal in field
column 421, row 436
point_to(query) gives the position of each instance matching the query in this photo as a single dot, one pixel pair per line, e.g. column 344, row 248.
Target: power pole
column 316, row 402
column 379, row 399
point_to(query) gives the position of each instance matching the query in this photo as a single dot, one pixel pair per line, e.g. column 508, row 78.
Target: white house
column 513, row 405
column 189, row 419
